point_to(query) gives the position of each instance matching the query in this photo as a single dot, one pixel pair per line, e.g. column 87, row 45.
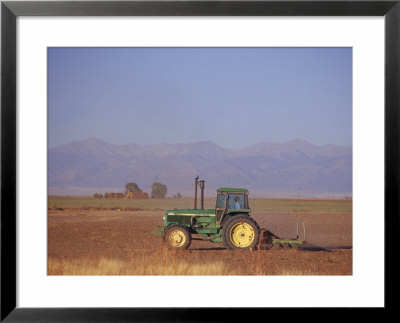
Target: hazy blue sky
column 234, row 97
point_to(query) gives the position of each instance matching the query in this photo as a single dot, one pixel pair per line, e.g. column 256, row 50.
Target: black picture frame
column 10, row 10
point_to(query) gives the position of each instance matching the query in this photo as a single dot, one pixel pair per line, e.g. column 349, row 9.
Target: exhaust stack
column 202, row 194
column 201, row 184
column 196, row 181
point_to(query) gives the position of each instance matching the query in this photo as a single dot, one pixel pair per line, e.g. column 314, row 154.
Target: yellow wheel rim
column 177, row 238
column 242, row 235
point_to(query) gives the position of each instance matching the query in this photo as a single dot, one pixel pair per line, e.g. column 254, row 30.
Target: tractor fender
column 227, row 217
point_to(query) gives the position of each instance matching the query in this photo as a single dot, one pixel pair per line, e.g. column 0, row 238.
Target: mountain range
column 292, row 169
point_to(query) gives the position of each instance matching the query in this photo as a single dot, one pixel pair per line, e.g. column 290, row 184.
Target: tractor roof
column 233, row 190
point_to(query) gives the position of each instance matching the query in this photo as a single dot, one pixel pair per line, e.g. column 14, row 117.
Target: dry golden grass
column 117, row 267
column 169, row 262
column 104, row 267
column 162, row 262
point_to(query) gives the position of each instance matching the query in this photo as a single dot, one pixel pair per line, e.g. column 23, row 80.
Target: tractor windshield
column 237, row 201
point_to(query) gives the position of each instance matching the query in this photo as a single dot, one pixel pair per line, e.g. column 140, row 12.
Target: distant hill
column 267, row 169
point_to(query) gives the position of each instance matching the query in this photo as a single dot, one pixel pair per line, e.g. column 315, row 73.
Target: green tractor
column 229, row 223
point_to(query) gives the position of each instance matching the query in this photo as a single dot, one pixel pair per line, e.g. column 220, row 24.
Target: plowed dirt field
column 89, row 241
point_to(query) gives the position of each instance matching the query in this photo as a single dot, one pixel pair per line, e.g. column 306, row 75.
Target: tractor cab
column 231, row 201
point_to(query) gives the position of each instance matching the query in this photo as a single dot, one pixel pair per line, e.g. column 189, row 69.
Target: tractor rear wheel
column 177, row 236
column 241, row 232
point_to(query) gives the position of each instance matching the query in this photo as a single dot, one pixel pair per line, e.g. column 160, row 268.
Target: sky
column 234, row 97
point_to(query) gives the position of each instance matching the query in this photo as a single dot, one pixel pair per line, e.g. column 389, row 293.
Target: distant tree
column 158, row 190
column 132, row 187
column 178, row 196
column 97, row 195
column 106, row 195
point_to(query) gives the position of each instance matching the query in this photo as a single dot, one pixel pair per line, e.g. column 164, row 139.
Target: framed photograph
column 288, row 110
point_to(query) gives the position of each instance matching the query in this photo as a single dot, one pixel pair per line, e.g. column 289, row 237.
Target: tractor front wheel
column 241, row 232
column 178, row 236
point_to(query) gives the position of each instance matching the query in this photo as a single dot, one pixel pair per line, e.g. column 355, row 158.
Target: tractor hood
column 190, row 212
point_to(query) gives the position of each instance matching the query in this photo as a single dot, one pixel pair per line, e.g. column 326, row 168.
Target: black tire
column 241, row 232
column 178, row 236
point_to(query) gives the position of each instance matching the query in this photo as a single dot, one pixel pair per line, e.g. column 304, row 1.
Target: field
column 88, row 236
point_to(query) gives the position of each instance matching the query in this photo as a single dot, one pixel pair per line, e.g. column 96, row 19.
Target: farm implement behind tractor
column 268, row 239
column 230, row 223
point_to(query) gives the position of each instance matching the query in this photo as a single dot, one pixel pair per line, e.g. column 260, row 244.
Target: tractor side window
column 220, row 201
column 237, row 201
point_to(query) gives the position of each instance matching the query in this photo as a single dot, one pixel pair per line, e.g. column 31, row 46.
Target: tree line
column 158, row 190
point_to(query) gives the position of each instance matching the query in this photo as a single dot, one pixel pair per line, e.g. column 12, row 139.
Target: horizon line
column 197, row 142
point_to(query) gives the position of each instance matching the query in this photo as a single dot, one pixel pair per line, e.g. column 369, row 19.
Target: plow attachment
column 268, row 239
